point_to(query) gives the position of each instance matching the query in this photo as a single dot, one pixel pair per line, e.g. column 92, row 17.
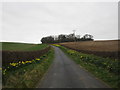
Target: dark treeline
column 66, row 38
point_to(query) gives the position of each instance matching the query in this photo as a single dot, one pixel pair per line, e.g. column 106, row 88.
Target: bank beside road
column 105, row 69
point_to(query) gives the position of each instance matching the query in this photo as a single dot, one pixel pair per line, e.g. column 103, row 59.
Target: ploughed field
column 108, row 48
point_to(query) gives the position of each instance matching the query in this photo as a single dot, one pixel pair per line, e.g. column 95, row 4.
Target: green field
column 14, row 52
column 10, row 46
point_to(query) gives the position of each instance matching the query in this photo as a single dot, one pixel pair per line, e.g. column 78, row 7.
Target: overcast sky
column 30, row 21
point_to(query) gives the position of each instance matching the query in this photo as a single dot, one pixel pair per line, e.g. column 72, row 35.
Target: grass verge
column 104, row 68
column 29, row 75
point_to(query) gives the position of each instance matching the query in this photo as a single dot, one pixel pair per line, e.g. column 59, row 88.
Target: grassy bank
column 104, row 68
column 28, row 75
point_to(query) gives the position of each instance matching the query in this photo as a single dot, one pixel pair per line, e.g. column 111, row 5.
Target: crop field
column 18, row 52
column 101, row 48
column 10, row 46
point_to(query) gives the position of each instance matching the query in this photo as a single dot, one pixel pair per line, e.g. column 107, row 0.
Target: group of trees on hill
column 66, row 38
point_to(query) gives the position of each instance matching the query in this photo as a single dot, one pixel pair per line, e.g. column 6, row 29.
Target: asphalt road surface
column 65, row 73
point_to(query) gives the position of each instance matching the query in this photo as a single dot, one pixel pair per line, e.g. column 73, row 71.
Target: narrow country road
column 64, row 73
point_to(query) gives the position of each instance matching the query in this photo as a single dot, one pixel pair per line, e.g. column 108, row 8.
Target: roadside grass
column 105, row 69
column 29, row 75
column 0, row 46
column 10, row 46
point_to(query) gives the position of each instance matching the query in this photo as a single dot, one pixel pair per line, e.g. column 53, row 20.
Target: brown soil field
column 106, row 48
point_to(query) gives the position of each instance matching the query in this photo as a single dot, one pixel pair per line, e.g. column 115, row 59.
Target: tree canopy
column 66, row 38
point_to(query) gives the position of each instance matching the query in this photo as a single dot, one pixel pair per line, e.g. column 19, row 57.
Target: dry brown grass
column 108, row 48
